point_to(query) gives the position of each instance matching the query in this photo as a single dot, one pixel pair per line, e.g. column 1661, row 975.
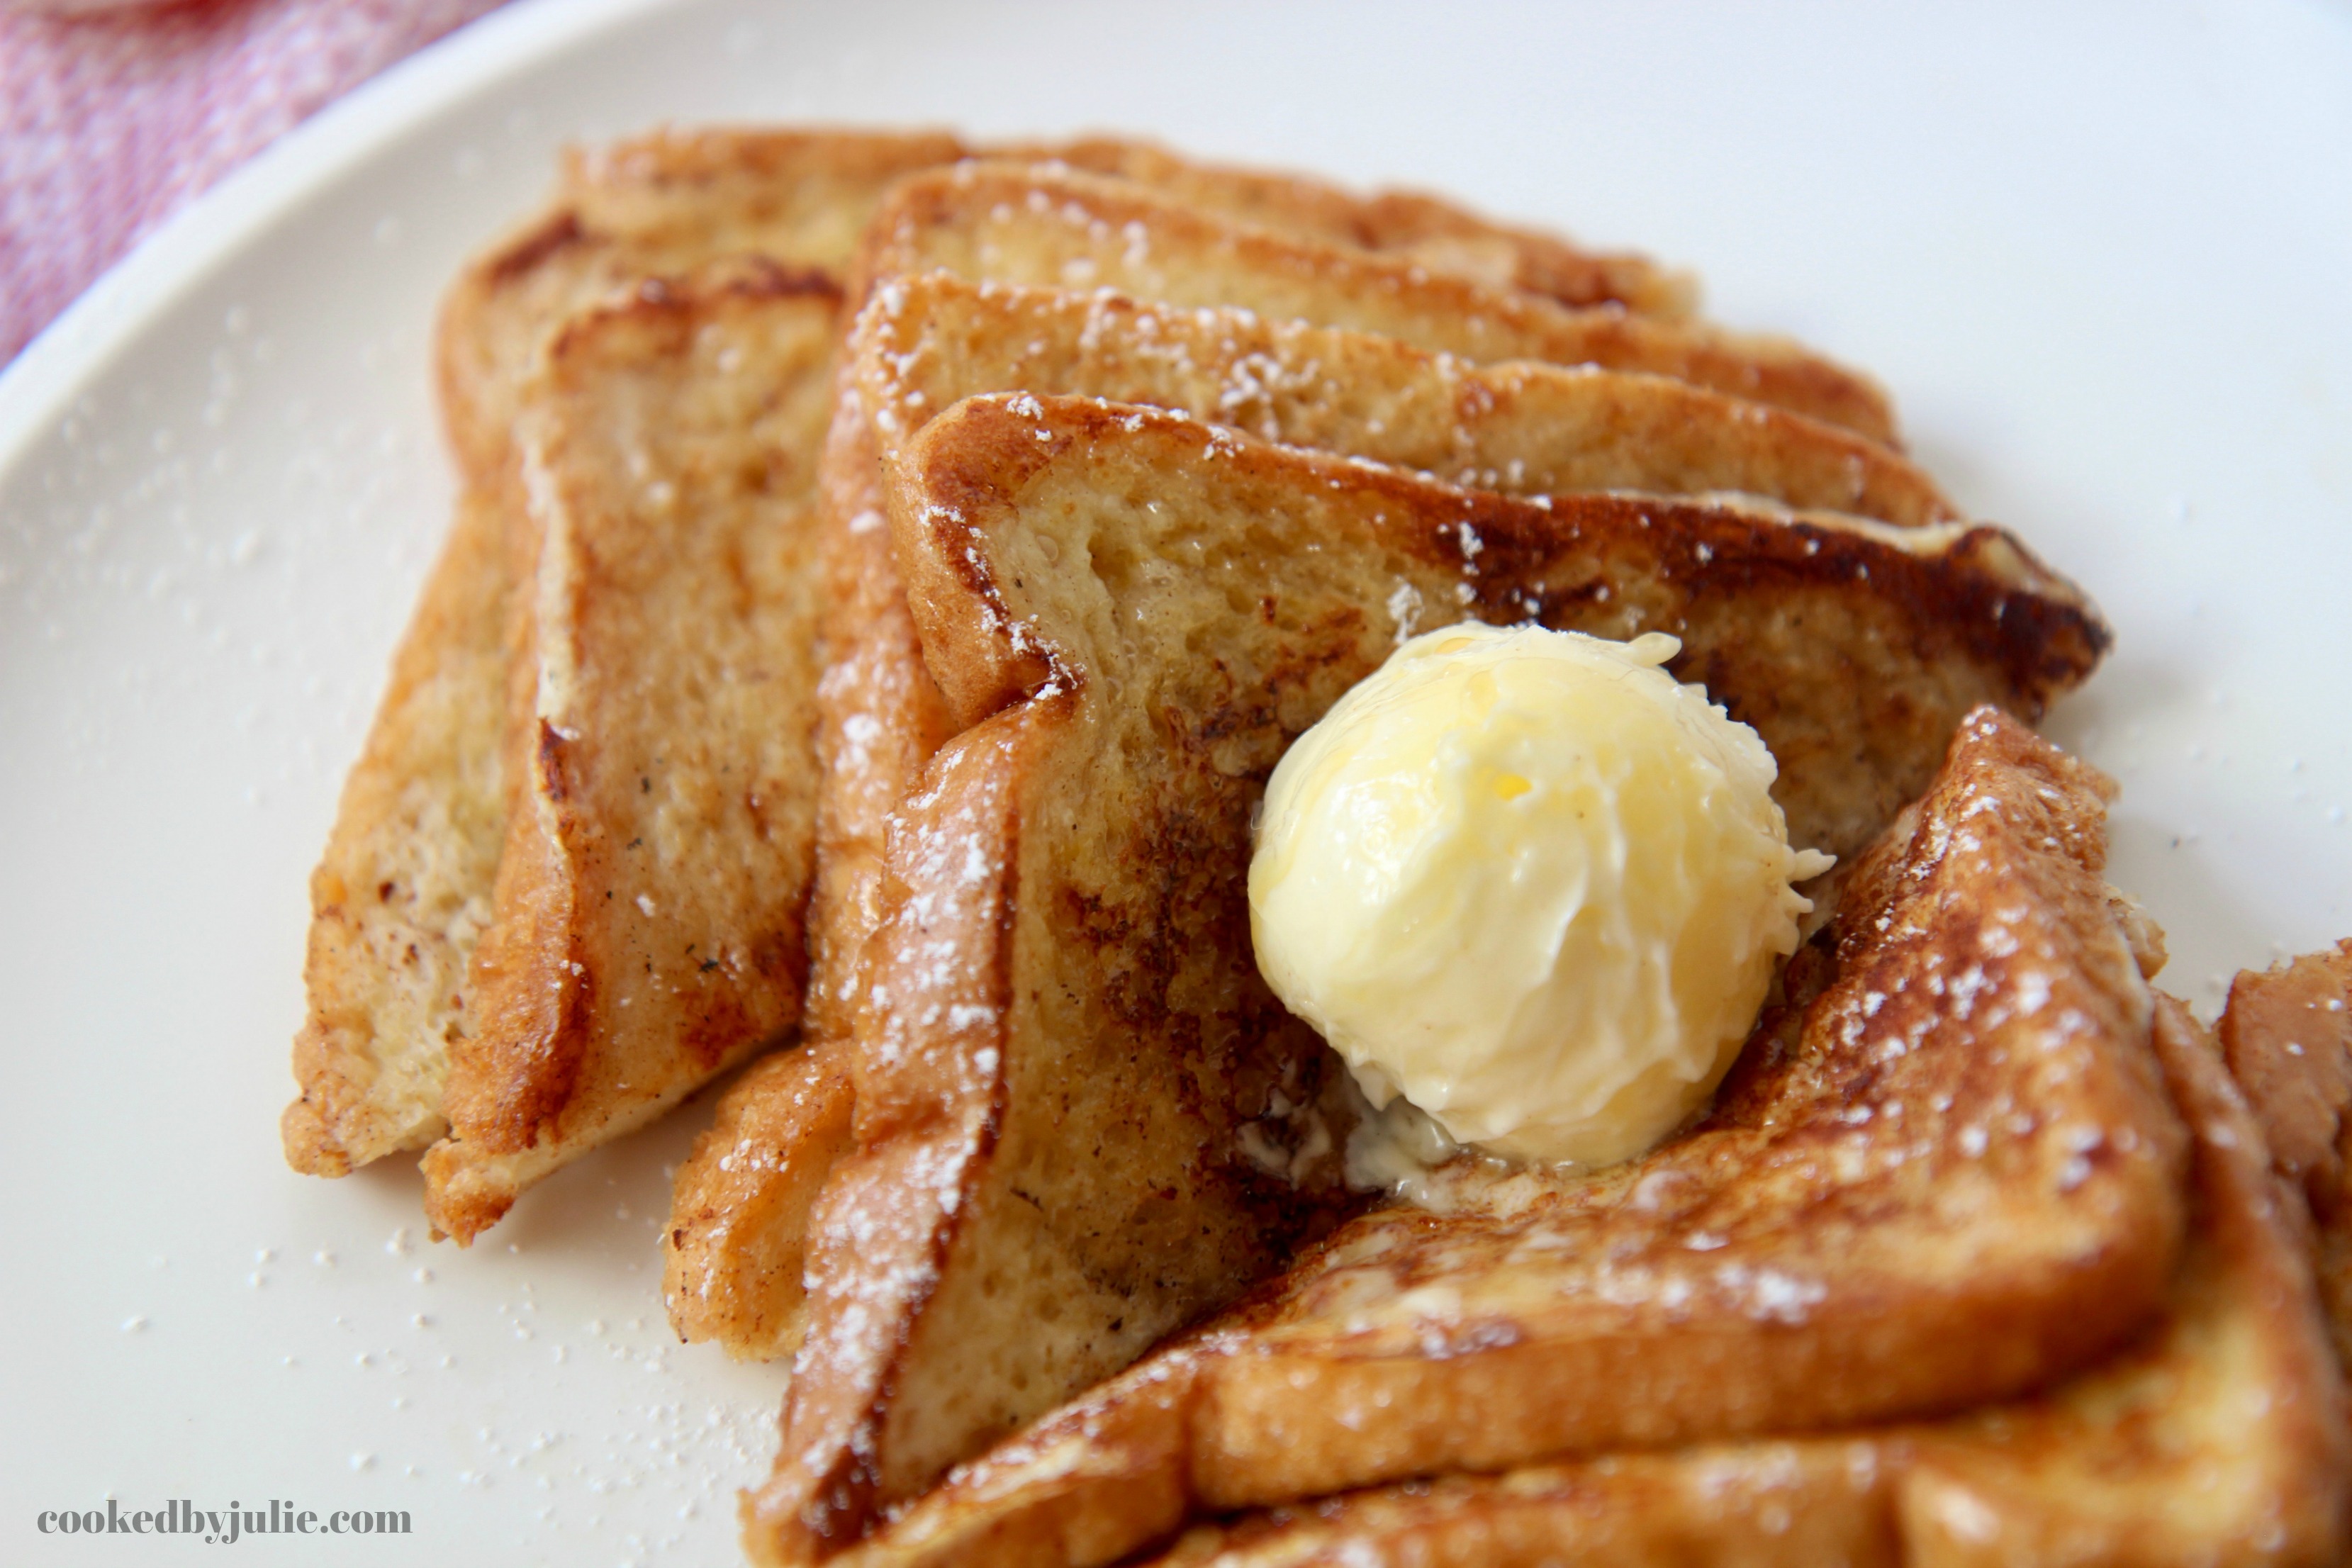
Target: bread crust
column 1940, row 619
column 880, row 714
column 687, row 185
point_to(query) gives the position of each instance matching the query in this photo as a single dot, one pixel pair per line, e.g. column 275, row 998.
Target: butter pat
column 1530, row 882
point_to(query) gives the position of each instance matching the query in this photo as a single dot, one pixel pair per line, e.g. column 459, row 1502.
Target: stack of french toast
column 886, row 573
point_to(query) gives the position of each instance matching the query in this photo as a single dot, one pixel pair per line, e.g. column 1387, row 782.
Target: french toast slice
column 2287, row 1034
column 407, row 880
column 424, row 814
column 925, row 343
column 2215, row 1436
column 1897, row 1192
column 1195, row 234
column 1042, row 226
column 928, row 341
column 1068, row 1069
column 646, row 932
column 1046, row 227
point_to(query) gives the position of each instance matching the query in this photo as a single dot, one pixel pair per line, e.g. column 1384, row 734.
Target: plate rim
column 211, row 231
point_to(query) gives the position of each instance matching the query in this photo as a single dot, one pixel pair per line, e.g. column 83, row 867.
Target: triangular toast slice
column 927, row 342
column 647, row 925
column 2216, row 1436
column 405, row 885
column 1006, row 224
column 1065, row 1035
column 1956, row 1150
column 931, row 338
column 1046, row 227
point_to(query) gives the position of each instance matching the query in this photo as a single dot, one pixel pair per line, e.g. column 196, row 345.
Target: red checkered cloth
column 111, row 119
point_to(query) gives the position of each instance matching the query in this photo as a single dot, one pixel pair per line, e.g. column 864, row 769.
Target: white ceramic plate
column 2100, row 252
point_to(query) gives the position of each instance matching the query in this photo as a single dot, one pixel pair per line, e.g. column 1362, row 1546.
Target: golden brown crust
column 1037, row 226
column 880, row 716
column 928, row 1109
column 1752, row 1505
column 2287, row 1035
column 681, row 195
column 496, row 316
column 647, row 931
column 2219, row 1437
